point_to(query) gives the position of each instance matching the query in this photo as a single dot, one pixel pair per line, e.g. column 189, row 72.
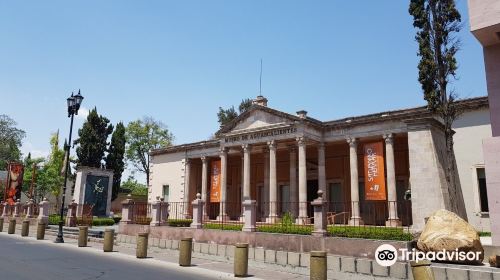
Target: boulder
column 445, row 230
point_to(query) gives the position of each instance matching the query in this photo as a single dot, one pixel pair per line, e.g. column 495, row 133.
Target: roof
column 401, row 114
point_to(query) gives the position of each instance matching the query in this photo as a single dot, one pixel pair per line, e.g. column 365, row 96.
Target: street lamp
column 74, row 102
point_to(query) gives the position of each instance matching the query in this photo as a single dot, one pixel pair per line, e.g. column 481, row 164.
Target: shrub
column 233, row 227
column 117, row 219
column 367, row 232
column 179, row 222
column 103, row 222
column 287, row 229
column 54, row 219
column 484, row 234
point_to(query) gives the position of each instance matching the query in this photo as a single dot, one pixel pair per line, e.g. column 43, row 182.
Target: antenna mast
column 260, row 80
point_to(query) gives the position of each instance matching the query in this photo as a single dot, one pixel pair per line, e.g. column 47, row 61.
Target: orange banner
column 215, row 181
column 373, row 154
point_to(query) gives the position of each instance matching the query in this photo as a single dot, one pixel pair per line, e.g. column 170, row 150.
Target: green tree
column 438, row 23
column 142, row 136
column 134, row 187
column 116, row 156
column 92, row 140
column 227, row 115
column 31, row 165
column 10, row 141
column 50, row 178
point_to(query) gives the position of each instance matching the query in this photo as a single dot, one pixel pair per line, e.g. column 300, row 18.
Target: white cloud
column 28, row 147
column 83, row 113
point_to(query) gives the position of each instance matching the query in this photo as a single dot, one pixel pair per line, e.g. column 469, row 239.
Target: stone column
column 197, row 212
column 242, row 184
column 302, row 181
column 127, row 210
column 321, row 168
column 265, row 203
column 246, row 171
column 43, row 215
column 204, row 185
column 393, row 219
column 187, row 185
column 294, row 194
column 319, row 215
column 353, row 160
column 223, row 184
column 17, row 208
column 6, row 210
column 273, row 184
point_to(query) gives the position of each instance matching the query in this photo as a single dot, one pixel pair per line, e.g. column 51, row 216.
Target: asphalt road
column 42, row 260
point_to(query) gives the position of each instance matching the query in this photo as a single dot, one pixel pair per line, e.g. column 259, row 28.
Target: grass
column 369, row 232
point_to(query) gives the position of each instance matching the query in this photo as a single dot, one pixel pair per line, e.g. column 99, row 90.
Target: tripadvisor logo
column 387, row 255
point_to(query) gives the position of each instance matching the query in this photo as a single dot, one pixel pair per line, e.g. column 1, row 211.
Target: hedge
column 484, row 234
column 287, row 229
column 54, row 220
column 233, row 227
column 179, row 222
column 368, row 232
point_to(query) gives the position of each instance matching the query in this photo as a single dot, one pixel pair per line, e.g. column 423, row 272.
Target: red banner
column 14, row 182
column 215, row 174
column 374, row 171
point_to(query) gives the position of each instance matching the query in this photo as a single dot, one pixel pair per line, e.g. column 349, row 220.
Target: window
column 166, row 192
column 483, row 195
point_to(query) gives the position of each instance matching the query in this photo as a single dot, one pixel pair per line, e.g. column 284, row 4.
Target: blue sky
column 178, row 61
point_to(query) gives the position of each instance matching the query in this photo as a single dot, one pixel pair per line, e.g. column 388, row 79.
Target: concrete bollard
column 25, row 229
column 109, row 239
column 142, row 245
column 12, row 226
column 83, row 233
column 185, row 249
column 422, row 270
column 1, row 224
column 318, row 265
column 40, row 231
column 241, row 260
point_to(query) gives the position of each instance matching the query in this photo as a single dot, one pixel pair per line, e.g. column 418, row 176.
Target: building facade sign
column 260, row 134
column 215, row 167
column 374, row 171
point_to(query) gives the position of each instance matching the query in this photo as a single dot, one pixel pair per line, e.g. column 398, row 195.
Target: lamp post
column 74, row 102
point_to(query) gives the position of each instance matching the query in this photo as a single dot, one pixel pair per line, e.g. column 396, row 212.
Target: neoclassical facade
column 282, row 160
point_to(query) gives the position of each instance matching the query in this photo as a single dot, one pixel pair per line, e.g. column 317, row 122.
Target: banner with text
column 215, row 169
column 373, row 154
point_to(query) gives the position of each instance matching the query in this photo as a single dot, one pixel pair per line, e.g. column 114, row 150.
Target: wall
column 471, row 128
column 167, row 169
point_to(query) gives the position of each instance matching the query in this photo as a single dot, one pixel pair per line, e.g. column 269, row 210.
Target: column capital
column 389, row 138
column 292, row 148
column 301, row 141
column 272, row 145
column 187, row 161
column 223, row 151
column 321, row 146
column 204, row 159
column 246, row 148
column 353, row 142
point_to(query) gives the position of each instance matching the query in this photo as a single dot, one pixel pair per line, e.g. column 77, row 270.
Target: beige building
column 485, row 25
column 282, row 160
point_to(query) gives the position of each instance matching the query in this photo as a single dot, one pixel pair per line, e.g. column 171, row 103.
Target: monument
column 93, row 190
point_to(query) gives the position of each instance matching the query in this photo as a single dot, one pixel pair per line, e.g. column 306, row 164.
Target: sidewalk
column 168, row 257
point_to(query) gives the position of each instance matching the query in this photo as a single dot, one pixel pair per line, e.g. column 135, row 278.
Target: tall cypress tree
column 92, row 140
column 115, row 157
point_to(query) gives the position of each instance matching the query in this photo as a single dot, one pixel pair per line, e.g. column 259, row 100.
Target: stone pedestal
column 94, row 186
column 197, row 212
column 127, row 210
column 250, row 210
column 43, row 214
column 319, row 205
column 155, row 213
column 71, row 216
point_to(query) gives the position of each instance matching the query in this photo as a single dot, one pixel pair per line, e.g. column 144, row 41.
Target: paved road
column 22, row 258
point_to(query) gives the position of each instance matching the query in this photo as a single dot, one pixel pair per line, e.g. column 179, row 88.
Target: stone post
column 318, row 265
column 141, row 251
column 355, row 219
column 83, row 233
column 250, row 219
column 40, row 231
column 302, row 181
column 422, row 270
column 198, row 206
column 127, row 210
column 25, row 229
column 1, row 223
column 12, row 226
column 6, row 209
column 273, row 184
column 393, row 219
column 43, row 214
column 29, row 209
column 241, row 260
column 17, row 209
column 185, row 249
column 319, row 215
column 155, row 213
column 163, row 211
column 71, row 216
column 187, row 186
column 109, row 239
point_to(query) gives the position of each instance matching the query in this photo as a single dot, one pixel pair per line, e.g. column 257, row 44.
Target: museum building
column 379, row 169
